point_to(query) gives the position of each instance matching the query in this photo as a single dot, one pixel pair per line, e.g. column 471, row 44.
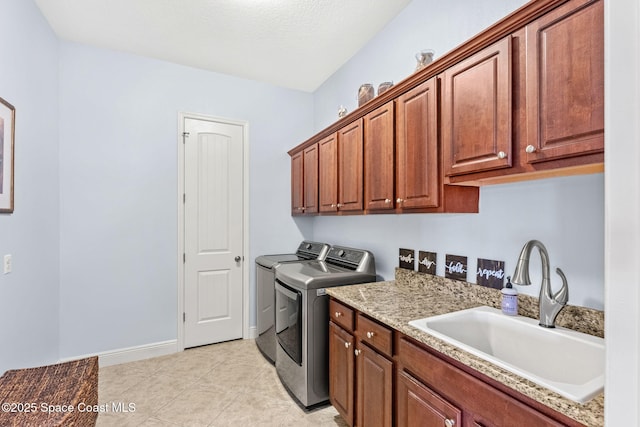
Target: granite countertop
column 415, row 295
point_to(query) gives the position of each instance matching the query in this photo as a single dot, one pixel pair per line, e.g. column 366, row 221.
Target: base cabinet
column 418, row 405
column 362, row 396
column 480, row 403
column 342, row 374
column 375, row 388
column 381, row 377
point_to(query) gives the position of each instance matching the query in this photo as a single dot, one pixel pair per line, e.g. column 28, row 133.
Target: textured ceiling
column 291, row 43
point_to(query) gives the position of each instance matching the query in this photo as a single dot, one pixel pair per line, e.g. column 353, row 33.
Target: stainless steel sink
column 565, row 361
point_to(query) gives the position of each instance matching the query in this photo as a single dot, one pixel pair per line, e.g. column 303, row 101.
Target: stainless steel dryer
column 302, row 318
column 265, row 300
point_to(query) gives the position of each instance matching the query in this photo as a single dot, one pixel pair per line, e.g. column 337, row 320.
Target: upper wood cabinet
column 565, row 82
column 328, row 173
column 350, row 163
column 297, row 183
column 311, row 179
column 379, row 158
column 304, row 181
column 417, row 153
column 476, row 111
column 523, row 99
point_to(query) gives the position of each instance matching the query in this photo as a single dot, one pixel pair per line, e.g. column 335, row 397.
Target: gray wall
column 29, row 296
column 118, row 187
column 566, row 214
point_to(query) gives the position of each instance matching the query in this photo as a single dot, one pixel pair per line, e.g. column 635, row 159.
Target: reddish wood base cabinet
column 381, row 377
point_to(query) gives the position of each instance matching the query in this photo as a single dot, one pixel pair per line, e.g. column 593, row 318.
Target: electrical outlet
column 7, row 264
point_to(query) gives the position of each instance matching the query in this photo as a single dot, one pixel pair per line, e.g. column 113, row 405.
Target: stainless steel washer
column 265, row 300
column 302, row 318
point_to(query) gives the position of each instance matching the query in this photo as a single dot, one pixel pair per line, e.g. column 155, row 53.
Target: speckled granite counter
column 414, row 295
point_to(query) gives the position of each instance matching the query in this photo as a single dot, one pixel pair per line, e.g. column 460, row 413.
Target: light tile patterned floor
column 227, row 384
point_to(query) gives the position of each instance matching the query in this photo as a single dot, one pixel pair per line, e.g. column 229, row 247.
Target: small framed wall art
column 7, row 132
column 455, row 267
column 407, row 259
column 427, row 262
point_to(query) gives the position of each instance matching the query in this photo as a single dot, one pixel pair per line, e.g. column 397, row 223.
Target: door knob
column 238, row 258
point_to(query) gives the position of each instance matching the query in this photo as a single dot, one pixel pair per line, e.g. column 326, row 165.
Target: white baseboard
column 253, row 332
column 141, row 352
column 132, row 354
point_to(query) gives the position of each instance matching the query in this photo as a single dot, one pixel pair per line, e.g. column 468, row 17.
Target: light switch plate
column 7, row 264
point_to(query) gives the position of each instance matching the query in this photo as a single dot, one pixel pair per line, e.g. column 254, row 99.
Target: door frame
column 180, row 225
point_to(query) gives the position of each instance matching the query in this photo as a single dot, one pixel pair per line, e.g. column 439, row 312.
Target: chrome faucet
column 550, row 304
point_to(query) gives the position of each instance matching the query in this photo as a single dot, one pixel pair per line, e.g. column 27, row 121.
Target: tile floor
column 227, row 384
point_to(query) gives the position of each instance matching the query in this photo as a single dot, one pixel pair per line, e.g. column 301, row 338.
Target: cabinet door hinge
column 184, row 257
column 184, row 316
column 184, row 198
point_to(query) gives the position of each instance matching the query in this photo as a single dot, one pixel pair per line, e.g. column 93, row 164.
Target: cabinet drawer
column 376, row 335
column 341, row 315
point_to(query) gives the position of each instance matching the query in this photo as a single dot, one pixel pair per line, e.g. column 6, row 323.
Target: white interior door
column 213, row 231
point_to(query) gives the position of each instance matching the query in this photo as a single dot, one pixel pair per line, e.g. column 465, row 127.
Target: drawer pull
column 370, row 335
column 449, row 423
column 337, row 314
column 347, row 344
column 357, row 352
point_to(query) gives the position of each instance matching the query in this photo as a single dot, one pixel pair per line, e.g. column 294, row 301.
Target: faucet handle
column 562, row 296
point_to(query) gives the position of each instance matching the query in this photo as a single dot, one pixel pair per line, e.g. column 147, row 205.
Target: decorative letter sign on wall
column 407, row 259
column 455, row 267
column 427, row 262
column 490, row 273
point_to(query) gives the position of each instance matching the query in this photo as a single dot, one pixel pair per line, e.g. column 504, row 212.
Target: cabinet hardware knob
column 333, row 205
column 502, row 155
column 347, row 344
column 340, row 205
column 530, row 149
column 370, row 335
column 337, row 314
column 357, row 352
column 399, row 200
column 449, row 422
column 387, row 201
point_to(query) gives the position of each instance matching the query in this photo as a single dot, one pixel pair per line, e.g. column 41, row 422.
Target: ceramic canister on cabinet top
column 365, row 93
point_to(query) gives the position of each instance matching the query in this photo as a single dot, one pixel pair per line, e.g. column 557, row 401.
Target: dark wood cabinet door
column 297, row 184
column 565, row 82
column 477, row 111
column 419, row 406
column 375, row 388
column 350, row 167
column 328, row 174
column 310, row 182
column 379, row 158
column 417, row 177
column 341, row 372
